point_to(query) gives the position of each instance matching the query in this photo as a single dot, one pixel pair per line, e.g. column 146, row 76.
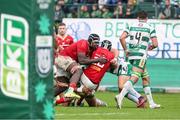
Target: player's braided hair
column 106, row 44
column 93, row 37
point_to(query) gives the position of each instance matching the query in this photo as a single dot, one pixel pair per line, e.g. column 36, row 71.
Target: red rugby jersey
column 68, row 40
column 96, row 71
column 77, row 47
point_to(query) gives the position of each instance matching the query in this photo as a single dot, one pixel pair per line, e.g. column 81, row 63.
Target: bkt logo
column 14, row 56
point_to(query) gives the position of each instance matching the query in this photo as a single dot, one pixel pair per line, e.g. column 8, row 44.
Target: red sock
column 73, row 85
column 61, row 100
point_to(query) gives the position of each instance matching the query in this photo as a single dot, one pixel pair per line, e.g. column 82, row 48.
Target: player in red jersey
column 68, row 62
column 63, row 40
column 96, row 71
column 93, row 74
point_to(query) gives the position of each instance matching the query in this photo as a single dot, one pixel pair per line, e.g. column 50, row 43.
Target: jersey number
column 138, row 37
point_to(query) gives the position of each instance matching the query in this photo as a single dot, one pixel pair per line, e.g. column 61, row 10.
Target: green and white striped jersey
column 140, row 34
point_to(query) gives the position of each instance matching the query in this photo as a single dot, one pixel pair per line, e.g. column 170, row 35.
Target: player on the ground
column 69, row 59
column 140, row 34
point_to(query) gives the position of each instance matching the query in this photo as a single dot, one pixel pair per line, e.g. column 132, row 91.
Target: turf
column 170, row 109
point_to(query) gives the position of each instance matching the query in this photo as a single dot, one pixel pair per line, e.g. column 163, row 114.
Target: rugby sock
column 125, row 89
column 132, row 97
column 134, row 92
column 131, row 89
column 61, row 100
column 72, row 86
column 147, row 91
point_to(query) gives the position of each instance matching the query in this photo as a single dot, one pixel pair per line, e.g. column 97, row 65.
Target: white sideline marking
column 85, row 114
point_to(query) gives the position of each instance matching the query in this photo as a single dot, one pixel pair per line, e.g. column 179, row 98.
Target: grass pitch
column 170, row 109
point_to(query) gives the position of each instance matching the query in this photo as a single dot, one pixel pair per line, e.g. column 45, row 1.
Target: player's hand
column 150, row 47
column 114, row 61
column 127, row 53
column 102, row 60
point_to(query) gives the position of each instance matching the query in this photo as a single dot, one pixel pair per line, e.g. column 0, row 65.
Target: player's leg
column 61, row 85
column 123, row 73
column 69, row 65
column 137, row 70
column 86, row 90
column 95, row 102
column 121, row 81
column 147, row 90
column 76, row 72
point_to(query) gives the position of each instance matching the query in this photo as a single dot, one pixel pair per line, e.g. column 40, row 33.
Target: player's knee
column 136, row 74
column 145, row 80
column 145, row 75
column 121, row 86
column 75, row 69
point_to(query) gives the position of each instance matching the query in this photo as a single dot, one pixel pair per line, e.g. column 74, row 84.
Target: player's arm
column 115, row 52
column 123, row 41
column 154, row 43
column 84, row 60
column 114, row 61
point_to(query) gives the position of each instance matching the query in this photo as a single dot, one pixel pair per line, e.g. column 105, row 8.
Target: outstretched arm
column 84, row 60
column 123, row 42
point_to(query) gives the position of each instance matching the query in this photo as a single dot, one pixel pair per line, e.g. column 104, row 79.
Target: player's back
column 140, row 34
column 75, row 48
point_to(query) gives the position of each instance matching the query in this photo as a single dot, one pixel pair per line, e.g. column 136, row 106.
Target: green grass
column 170, row 109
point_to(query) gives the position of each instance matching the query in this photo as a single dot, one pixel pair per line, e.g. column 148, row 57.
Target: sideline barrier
column 164, row 75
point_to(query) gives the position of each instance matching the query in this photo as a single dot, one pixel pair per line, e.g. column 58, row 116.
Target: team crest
column 44, row 55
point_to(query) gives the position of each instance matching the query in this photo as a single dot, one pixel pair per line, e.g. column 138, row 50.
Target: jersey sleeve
column 57, row 41
column 71, row 40
column 152, row 32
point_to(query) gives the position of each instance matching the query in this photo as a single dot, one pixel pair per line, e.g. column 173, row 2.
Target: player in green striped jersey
column 140, row 34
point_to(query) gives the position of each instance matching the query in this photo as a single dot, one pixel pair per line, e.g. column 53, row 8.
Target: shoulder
column 149, row 26
column 109, row 54
column 82, row 41
column 70, row 37
column 82, row 44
